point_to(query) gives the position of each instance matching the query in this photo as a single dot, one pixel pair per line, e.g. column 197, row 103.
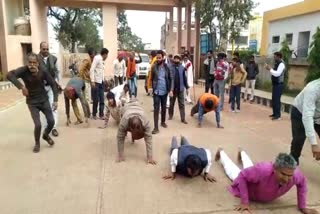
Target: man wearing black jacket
column 209, row 67
column 162, row 85
column 180, row 84
column 252, row 69
column 36, row 96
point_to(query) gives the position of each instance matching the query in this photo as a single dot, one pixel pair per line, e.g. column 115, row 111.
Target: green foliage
column 127, row 40
column 225, row 18
column 286, row 55
column 77, row 27
column 245, row 54
column 314, row 58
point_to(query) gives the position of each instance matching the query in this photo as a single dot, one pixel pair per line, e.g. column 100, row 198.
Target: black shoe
column 164, row 125
column 155, row 131
column 55, row 133
column 272, row 115
column 170, row 117
column 276, row 118
column 36, row 148
column 48, row 139
column 184, row 122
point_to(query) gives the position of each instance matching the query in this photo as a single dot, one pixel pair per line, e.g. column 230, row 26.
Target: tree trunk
column 73, row 47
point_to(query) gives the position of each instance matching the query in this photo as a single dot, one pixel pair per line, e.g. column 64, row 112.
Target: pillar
column 171, row 38
column 3, row 45
column 110, row 35
column 197, row 49
column 179, row 13
column 39, row 24
column 188, row 24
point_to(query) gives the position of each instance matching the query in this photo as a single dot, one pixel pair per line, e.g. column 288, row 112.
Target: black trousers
column 209, row 85
column 298, row 133
column 118, row 81
column 98, row 99
column 276, row 99
column 157, row 102
column 35, row 109
column 180, row 96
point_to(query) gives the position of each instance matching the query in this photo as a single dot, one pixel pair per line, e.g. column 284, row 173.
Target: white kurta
column 189, row 72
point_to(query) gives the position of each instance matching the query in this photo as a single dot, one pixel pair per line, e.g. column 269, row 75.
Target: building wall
column 303, row 8
column 14, row 9
column 292, row 25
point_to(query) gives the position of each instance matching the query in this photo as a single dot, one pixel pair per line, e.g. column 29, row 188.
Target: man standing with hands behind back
column 277, row 77
column 97, row 86
column 48, row 63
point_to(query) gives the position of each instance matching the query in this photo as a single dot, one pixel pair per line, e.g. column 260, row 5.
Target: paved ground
column 9, row 97
column 79, row 175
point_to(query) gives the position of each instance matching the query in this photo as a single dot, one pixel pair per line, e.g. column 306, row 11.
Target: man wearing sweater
column 305, row 120
column 189, row 161
column 265, row 181
column 219, row 78
column 135, row 121
column 36, row 95
column 238, row 76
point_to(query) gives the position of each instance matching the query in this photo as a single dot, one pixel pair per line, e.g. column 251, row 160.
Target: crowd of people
column 170, row 78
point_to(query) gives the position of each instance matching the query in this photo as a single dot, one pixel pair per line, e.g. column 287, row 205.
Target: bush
column 313, row 58
column 245, row 54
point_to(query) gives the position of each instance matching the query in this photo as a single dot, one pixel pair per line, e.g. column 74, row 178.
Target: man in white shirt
column 305, row 120
column 189, row 161
column 277, row 77
column 97, row 85
column 119, row 69
column 189, row 72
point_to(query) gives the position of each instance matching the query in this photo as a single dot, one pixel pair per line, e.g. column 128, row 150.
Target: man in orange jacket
column 131, row 73
column 207, row 103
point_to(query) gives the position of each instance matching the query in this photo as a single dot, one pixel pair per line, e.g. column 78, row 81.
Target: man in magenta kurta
column 266, row 181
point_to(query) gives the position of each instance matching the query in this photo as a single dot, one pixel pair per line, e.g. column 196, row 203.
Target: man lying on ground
column 189, row 161
column 264, row 182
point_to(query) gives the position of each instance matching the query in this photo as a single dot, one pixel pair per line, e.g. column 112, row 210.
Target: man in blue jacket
column 189, row 161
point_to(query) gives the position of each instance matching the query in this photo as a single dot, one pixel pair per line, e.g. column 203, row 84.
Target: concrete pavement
column 79, row 175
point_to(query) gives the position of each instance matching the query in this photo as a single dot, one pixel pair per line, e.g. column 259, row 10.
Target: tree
column 286, row 55
column 76, row 27
column 313, row 58
column 127, row 40
column 224, row 18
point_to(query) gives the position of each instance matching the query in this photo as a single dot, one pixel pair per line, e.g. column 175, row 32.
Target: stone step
column 5, row 85
column 262, row 98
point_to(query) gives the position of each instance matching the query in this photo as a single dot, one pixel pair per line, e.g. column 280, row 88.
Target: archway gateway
column 12, row 55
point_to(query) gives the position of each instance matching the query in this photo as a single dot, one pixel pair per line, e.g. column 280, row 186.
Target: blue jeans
column 276, row 99
column 201, row 112
column 98, row 98
column 235, row 91
column 133, row 85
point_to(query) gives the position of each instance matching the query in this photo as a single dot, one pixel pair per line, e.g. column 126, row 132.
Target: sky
column 147, row 25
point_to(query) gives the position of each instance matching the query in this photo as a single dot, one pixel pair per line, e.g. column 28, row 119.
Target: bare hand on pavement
column 151, row 161
column 208, row 177
column 309, row 211
column 316, row 152
column 243, row 208
column 171, row 176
